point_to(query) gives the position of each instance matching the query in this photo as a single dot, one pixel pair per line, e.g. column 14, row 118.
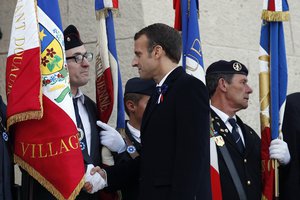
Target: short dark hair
column 131, row 97
column 213, row 79
column 165, row 36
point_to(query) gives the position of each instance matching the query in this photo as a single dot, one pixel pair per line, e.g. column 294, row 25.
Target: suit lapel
column 93, row 128
column 152, row 105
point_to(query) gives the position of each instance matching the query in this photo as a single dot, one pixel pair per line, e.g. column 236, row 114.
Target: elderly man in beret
column 239, row 155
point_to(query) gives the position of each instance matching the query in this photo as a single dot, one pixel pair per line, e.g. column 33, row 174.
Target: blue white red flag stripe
column 192, row 58
column 108, row 63
column 276, row 5
column 116, row 70
column 106, row 4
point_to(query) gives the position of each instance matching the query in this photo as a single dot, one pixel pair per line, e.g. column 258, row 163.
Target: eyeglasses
column 79, row 58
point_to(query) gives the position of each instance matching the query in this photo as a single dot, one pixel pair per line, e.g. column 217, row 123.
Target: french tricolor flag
column 109, row 93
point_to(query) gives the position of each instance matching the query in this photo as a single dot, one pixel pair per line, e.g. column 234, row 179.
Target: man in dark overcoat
column 174, row 162
column 289, row 175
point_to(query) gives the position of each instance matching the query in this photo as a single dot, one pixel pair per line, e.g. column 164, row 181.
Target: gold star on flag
column 42, row 35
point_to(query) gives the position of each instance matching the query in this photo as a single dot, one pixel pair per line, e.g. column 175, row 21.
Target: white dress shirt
column 136, row 134
column 84, row 118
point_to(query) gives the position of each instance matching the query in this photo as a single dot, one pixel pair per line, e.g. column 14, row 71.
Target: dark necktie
column 83, row 144
column 236, row 136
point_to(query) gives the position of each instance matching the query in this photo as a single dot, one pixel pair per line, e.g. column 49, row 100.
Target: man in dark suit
column 175, row 127
column 6, row 165
column 86, row 116
column 229, row 92
column 174, row 161
column 289, row 175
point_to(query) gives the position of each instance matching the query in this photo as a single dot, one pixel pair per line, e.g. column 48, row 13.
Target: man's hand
column 110, row 138
column 279, row 150
column 88, row 187
column 94, row 181
column 100, row 171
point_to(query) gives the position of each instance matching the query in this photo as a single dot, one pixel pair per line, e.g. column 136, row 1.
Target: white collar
column 224, row 117
column 80, row 96
column 134, row 132
column 165, row 77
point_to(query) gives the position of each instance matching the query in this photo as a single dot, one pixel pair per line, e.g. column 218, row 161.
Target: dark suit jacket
column 39, row 192
column 248, row 164
column 175, row 142
column 6, row 164
column 289, row 176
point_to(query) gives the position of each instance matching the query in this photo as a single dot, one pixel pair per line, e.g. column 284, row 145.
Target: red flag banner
column 40, row 109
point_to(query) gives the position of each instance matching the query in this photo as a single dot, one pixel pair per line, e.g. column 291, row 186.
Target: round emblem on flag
column 80, row 134
column 82, row 146
column 131, row 149
column 237, row 66
column 5, row 136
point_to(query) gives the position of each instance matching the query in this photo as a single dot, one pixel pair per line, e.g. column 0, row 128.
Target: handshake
column 95, row 179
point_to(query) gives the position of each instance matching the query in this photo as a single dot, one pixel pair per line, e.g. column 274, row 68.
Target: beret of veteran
column 140, row 86
column 227, row 67
column 72, row 37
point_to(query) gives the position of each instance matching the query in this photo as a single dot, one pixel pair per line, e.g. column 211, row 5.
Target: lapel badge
column 80, row 134
column 222, row 130
column 218, row 123
column 226, row 130
column 219, row 141
column 5, row 136
column 82, row 146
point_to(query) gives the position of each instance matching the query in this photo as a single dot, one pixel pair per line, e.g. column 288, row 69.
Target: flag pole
column 276, row 165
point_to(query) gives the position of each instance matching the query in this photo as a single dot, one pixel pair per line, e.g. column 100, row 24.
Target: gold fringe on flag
column 45, row 182
column 275, row 16
column 24, row 116
column 115, row 12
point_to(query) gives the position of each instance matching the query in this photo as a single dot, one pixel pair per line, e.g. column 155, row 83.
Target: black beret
column 72, row 37
column 227, row 67
column 140, row 86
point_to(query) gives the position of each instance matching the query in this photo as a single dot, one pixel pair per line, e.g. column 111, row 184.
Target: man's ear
column 158, row 51
column 130, row 105
column 222, row 84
